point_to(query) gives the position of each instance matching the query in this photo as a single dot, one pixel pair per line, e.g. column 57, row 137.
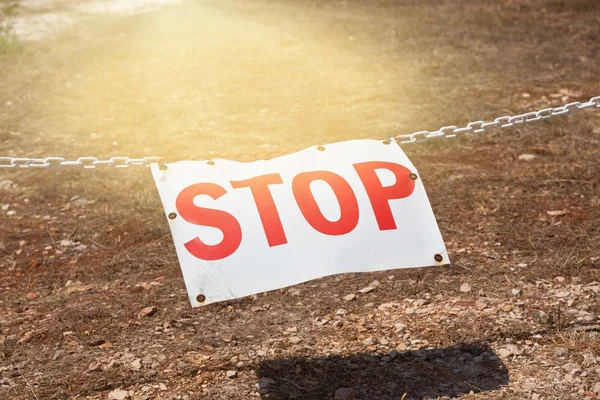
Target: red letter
column 310, row 209
column 227, row 223
column 259, row 186
column 379, row 195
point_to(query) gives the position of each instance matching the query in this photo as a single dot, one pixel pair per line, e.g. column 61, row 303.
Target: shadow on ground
column 446, row 372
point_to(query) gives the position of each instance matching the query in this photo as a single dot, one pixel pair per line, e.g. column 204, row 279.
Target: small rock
column 231, row 374
column 401, row 347
column 136, row 364
column 227, row 337
column 369, row 342
column 295, row 340
column 67, row 243
column 11, row 213
column 58, row 354
column 385, row 306
column 384, row 342
column 420, row 302
column 465, row 287
column 162, row 386
column 264, row 383
column 480, row 305
column 514, row 349
column 26, row 337
column 399, row 326
column 118, row 394
column 561, row 351
column 507, row 307
column 367, row 289
column 372, row 286
column 557, row 213
column 147, row 312
column 526, row 157
column 393, row 354
column 517, row 292
column 504, row 353
column 345, row 394
column 350, row 297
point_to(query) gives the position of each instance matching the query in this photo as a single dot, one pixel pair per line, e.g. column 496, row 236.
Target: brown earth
column 84, row 253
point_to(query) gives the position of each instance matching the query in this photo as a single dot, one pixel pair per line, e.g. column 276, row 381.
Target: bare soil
column 92, row 300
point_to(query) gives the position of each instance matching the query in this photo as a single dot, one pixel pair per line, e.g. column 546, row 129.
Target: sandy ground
column 92, row 298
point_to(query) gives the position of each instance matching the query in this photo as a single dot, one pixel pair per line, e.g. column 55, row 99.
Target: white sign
column 245, row 228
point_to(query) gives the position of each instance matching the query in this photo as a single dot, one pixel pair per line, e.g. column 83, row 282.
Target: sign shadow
column 414, row 374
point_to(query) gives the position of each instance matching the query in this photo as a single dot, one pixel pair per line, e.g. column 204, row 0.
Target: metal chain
column 500, row 122
column 82, row 162
column 416, row 137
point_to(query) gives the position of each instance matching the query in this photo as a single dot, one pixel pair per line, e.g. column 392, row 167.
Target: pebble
column 147, row 312
column 350, row 297
column 372, row 286
column 367, row 289
column 369, row 342
column 345, row 394
column 561, row 351
column 399, row 326
column 58, row 354
column 465, row 287
column 526, row 157
column 504, row 353
column 231, row 374
column 480, row 305
column 264, row 383
column 118, row 394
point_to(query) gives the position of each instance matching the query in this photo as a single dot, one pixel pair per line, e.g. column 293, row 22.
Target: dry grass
column 255, row 78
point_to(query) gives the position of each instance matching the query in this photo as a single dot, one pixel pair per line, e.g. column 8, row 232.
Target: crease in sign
column 354, row 206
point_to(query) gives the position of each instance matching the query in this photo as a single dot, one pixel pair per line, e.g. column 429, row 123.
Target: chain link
column 499, row 123
column 82, row 162
column 446, row 132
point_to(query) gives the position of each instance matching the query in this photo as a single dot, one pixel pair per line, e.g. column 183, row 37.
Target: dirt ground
column 92, row 300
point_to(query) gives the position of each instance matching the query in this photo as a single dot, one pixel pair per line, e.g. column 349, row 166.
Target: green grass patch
column 9, row 43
